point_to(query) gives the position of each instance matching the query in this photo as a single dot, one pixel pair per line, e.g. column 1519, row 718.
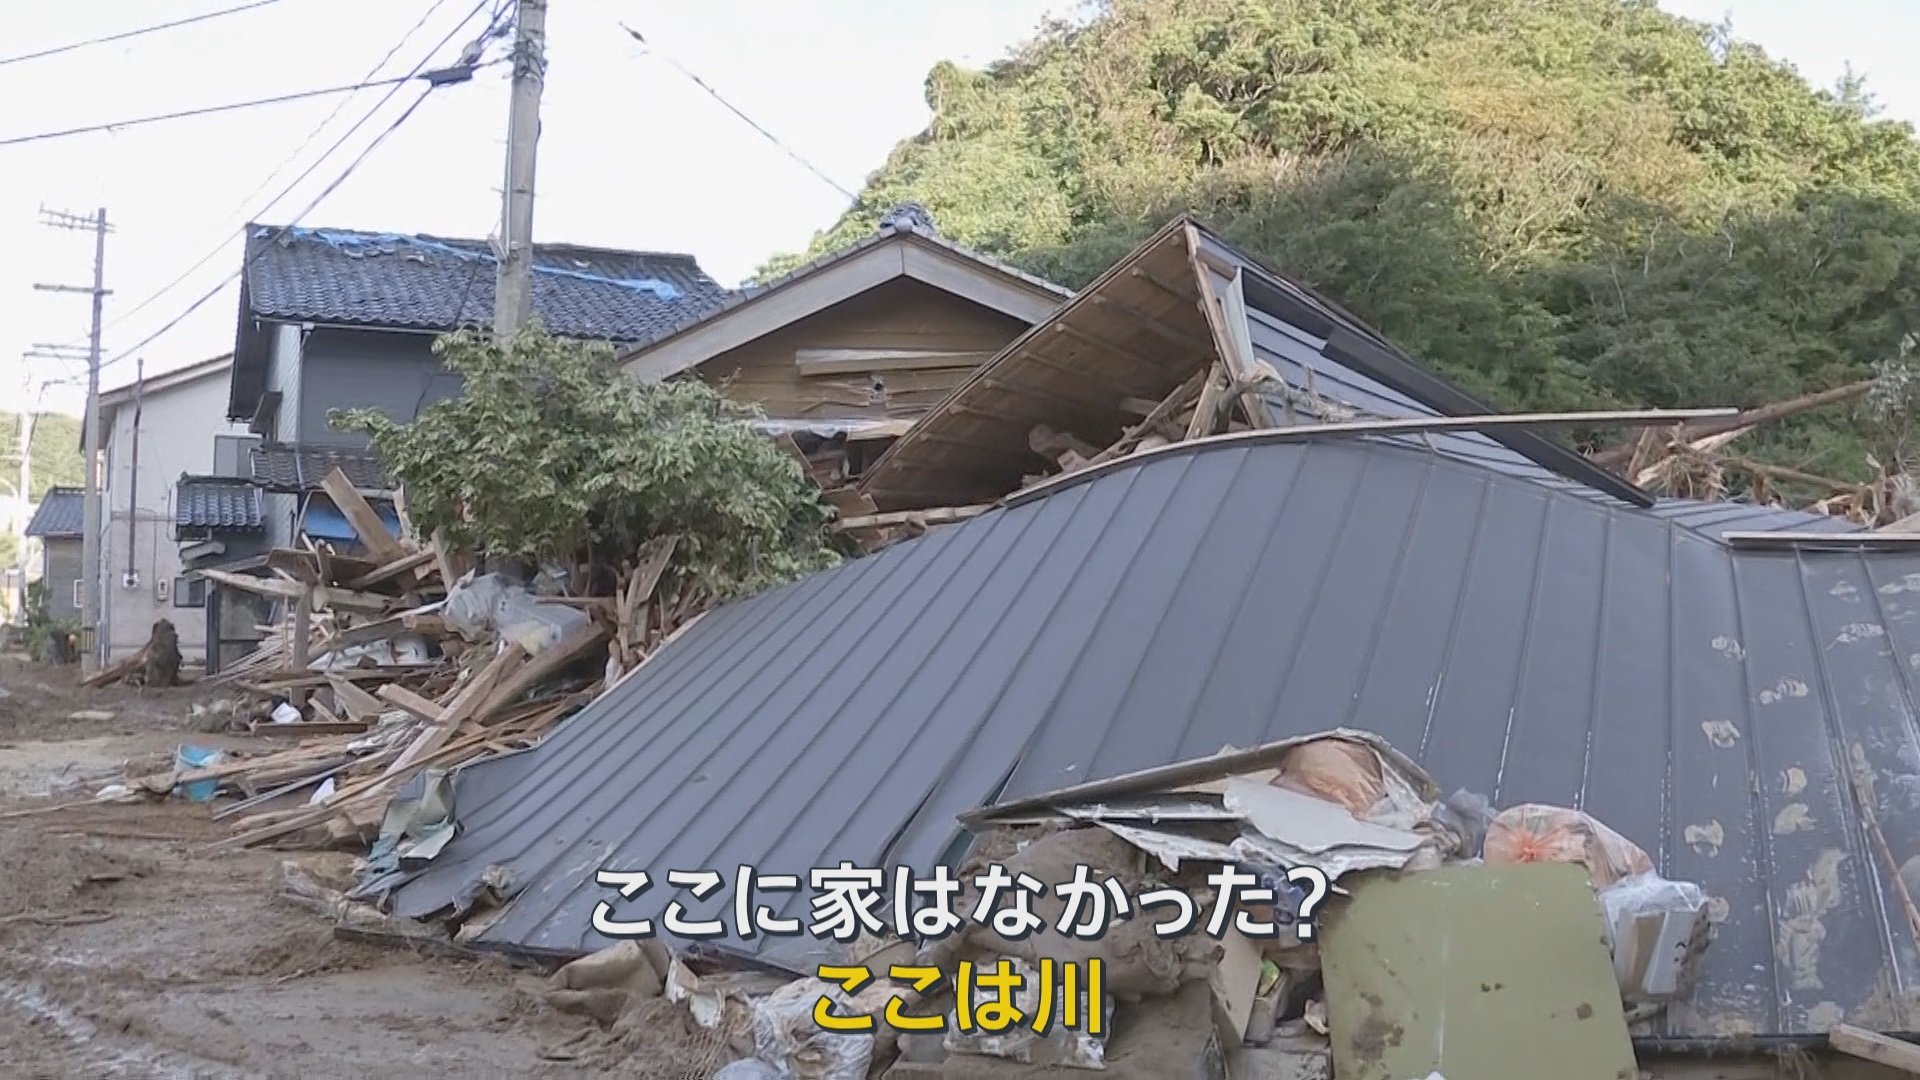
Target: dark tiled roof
column 429, row 283
column 887, row 231
column 61, row 515
column 299, row 467
column 216, row 502
column 1522, row 641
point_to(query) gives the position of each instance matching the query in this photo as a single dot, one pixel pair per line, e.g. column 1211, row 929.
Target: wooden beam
column 1213, row 394
column 1875, row 1047
column 550, row 661
column 1143, row 362
column 1227, row 317
column 391, row 570
column 1408, row 426
column 939, row 515
column 302, row 638
column 360, row 514
column 814, row 362
column 425, row 709
column 1171, row 334
column 357, row 702
column 275, row 587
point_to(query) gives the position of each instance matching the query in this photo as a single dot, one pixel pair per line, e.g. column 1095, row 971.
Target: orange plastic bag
column 1338, row 770
column 1538, row 833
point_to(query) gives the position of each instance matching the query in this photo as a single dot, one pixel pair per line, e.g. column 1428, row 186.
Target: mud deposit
column 129, row 950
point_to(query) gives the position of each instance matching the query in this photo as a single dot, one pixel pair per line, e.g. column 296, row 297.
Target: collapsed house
column 1723, row 684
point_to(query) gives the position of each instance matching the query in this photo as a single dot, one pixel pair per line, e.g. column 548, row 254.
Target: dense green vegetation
column 55, row 450
column 1557, row 203
column 552, row 454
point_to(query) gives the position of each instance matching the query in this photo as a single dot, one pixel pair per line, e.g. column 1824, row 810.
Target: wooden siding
column 903, row 316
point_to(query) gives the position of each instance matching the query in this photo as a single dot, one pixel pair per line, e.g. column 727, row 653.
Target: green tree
column 553, row 452
column 55, row 449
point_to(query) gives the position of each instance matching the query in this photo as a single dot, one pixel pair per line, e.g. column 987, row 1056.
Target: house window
column 190, row 592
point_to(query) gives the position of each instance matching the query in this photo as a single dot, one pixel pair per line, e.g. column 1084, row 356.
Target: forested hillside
column 1559, row 203
column 55, row 450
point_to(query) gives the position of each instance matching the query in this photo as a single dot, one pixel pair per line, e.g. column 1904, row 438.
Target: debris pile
column 1289, row 873
column 393, row 664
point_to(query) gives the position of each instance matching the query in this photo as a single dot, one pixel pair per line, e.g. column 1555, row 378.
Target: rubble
column 1502, row 918
column 391, row 668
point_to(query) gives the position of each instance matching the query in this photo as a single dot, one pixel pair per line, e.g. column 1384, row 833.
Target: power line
column 329, row 152
column 125, row 34
column 283, row 230
column 205, row 110
column 735, row 110
column 339, row 108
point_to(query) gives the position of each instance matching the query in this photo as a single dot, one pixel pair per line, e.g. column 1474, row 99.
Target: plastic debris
column 1538, row 833
column 1657, row 930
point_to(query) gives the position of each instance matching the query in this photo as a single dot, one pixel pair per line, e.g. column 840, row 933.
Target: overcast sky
column 632, row 154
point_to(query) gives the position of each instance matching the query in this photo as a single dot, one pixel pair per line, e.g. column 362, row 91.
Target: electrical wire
column 205, row 110
column 344, row 102
column 220, row 247
column 125, row 34
column 283, row 230
column 469, row 54
column 735, row 110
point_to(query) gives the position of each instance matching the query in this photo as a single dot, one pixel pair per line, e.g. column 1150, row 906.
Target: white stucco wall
column 177, row 427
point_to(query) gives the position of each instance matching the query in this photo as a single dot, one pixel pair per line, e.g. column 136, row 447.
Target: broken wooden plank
column 1206, row 412
column 329, row 597
column 357, row 702
column 939, row 515
column 425, row 709
column 550, row 661
column 464, row 702
column 1875, row 1047
column 275, row 587
column 309, row 729
column 360, row 514
column 389, row 571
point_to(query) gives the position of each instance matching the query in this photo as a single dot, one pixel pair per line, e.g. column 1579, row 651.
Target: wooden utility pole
column 513, row 288
column 89, row 427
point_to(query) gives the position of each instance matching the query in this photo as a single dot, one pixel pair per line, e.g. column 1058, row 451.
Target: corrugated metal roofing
column 1526, row 642
column 59, row 515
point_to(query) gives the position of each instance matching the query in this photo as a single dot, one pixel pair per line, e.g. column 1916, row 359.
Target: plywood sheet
column 1474, row 972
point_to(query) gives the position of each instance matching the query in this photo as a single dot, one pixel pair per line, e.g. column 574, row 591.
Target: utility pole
column 133, row 472
column 89, row 425
column 513, row 288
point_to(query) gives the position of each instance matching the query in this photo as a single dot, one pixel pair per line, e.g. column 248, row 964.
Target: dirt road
column 128, row 950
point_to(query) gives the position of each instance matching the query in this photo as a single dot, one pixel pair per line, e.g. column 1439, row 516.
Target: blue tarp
column 323, row 521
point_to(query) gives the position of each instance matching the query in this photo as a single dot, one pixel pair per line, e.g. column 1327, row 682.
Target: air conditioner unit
column 163, row 589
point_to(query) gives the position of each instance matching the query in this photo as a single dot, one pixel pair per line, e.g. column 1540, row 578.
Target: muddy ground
column 128, row 949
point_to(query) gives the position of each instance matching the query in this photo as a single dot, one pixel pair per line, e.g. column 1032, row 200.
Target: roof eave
column 674, row 350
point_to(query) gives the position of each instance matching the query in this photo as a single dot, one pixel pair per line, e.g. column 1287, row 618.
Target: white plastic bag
column 1656, row 929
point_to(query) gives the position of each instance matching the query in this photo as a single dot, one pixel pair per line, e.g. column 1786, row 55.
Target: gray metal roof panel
column 59, row 515
column 1517, row 639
